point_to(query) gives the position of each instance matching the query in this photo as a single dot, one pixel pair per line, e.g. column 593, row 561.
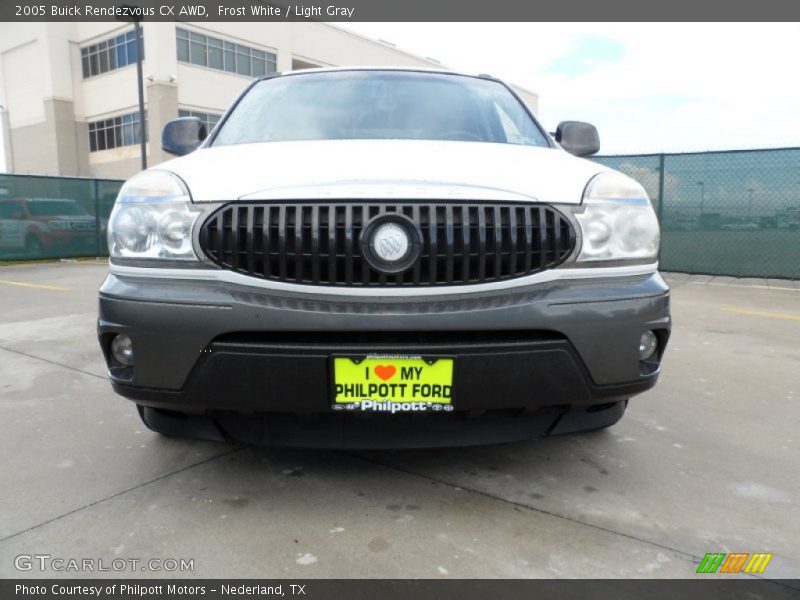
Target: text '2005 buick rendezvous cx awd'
column 381, row 258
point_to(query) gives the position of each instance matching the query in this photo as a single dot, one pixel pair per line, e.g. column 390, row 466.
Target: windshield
column 44, row 208
column 378, row 105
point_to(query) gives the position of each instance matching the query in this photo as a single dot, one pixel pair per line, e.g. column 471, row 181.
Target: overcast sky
column 647, row 87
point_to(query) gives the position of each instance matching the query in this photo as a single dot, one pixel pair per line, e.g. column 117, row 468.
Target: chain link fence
column 722, row 213
column 54, row 217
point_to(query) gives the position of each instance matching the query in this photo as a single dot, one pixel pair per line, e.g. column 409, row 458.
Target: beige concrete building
column 68, row 94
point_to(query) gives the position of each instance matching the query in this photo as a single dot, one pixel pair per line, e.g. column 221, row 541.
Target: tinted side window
column 8, row 209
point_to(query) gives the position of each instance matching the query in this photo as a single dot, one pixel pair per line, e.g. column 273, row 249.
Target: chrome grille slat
column 318, row 243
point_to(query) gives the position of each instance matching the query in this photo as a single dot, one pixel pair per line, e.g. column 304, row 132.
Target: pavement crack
column 693, row 559
column 53, row 362
column 688, row 556
column 122, row 493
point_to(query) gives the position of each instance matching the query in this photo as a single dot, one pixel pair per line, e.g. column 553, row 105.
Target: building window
column 116, row 132
column 110, row 54
column 207, row 51
column 210, row 119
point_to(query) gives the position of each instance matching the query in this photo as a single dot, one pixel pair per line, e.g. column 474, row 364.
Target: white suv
column 381, row 257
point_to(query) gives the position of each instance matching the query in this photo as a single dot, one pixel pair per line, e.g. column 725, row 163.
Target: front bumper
column 208, row 346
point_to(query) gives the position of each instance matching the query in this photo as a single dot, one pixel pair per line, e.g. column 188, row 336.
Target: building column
column 162, row 107
column 60, row 120
column 161, row 87
column 5, row 140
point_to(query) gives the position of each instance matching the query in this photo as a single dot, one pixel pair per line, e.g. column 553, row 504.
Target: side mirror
column 578, row 138
column 17, row 216
column 182, row 136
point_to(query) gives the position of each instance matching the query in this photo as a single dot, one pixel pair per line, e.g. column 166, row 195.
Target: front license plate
column 392, row 383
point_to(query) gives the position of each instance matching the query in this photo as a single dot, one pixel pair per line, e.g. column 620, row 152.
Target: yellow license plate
column 392, row 383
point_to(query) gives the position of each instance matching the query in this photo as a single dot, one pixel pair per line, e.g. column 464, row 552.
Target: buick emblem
column 390, row 242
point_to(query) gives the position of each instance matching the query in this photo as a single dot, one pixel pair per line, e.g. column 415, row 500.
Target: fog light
column 648, row 344
column 122, row 349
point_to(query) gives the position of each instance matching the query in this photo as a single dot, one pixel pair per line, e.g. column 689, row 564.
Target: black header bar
column 401, row 10
column 713, row 588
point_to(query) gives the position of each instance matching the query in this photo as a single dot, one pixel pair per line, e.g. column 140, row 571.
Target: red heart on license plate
column 385, row 371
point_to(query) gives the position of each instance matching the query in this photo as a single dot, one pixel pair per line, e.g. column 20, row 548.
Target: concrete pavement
column 705, row 462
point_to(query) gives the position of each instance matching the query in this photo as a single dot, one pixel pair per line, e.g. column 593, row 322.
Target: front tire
column 172, row 423
column 33, row 246
column 150, row 419
column 592, row 418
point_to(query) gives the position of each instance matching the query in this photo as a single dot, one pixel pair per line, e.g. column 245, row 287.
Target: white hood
column 403, row 169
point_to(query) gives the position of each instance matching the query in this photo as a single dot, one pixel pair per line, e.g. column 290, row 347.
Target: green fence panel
column 724, row 213
column 54, row 217
column 106, row 193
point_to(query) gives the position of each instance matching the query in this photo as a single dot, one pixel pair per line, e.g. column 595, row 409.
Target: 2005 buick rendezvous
column 381, row 257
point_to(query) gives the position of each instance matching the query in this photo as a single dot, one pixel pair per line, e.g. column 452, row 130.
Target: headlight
column 152, row 218
column 617, row 221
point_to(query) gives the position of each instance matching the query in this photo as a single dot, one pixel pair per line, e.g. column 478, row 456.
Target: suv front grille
column 319, row 243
